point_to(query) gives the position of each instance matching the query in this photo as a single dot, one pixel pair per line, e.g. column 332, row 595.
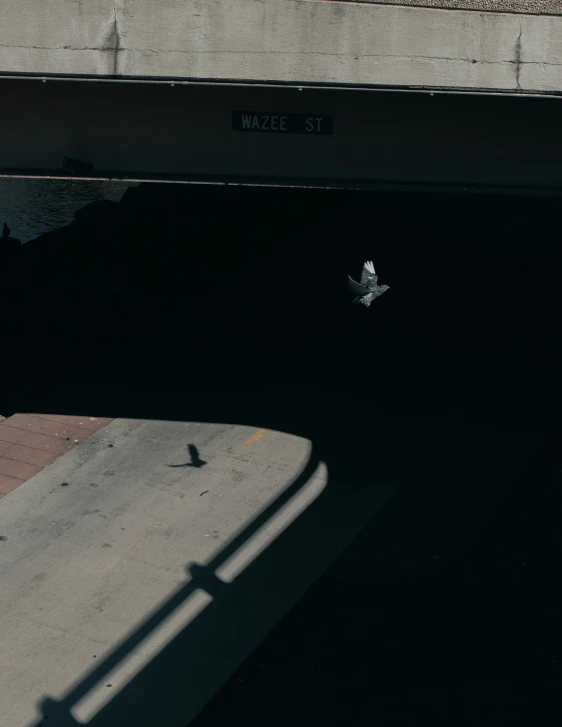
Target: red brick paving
column 7, row 484
column 37, row 441
column 27, row 454
column 20, row 470
column 30, row 442
column 91, row 423
column 35, row 424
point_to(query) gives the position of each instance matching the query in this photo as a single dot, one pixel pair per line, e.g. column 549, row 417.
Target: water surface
column 34, row 206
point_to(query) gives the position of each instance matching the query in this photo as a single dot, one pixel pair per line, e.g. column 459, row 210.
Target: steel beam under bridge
column 187, row 132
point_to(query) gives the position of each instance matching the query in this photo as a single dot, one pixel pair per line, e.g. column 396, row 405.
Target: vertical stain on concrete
column 110, row 44
column 518, row 58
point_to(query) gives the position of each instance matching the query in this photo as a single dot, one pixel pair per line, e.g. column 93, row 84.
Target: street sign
column 280, row 123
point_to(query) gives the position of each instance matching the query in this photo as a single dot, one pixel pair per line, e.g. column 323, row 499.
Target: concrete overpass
column 413, row 95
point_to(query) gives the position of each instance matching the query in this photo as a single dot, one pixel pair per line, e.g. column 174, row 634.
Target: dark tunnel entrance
column 477, row 275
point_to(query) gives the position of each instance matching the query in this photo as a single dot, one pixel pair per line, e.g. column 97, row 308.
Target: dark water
column 34, row 206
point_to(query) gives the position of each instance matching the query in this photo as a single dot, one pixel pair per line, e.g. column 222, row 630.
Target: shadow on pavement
column 475, row 641
column 166, row 675
column 196, row 460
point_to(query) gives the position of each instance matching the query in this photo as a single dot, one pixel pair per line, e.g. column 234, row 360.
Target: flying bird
column 368, row 289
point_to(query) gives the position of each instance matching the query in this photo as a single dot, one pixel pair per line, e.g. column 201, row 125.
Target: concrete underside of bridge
column 183, row 132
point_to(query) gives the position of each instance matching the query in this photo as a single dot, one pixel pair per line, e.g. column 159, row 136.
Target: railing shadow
column 158, row 695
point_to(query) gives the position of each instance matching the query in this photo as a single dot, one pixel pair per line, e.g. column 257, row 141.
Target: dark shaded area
column 121, row 269
column 474, row 642
column 475, row 274
column 7, row 242
column 76, row 167
column 207, row 286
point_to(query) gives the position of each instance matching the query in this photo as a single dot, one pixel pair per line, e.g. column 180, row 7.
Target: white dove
column 368, row 289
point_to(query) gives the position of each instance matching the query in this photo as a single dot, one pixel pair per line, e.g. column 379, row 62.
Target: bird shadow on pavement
column 196, row 460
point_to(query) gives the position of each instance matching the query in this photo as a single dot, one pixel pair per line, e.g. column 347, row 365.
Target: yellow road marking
column 256, row 436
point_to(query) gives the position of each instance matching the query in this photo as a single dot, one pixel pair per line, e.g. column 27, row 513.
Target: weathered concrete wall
column 301, row 41
column 156, row 129
column 536, row 7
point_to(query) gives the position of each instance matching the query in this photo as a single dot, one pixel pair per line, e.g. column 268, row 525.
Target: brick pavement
column 31, row 442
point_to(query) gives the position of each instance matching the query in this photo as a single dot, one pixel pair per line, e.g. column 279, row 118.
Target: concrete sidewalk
column 136, row 527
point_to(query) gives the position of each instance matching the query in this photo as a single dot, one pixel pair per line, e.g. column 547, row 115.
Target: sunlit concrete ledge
column 300, row 41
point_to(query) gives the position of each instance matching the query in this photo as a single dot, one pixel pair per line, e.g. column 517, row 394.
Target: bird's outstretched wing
column 368, row 276
column 355, row 287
